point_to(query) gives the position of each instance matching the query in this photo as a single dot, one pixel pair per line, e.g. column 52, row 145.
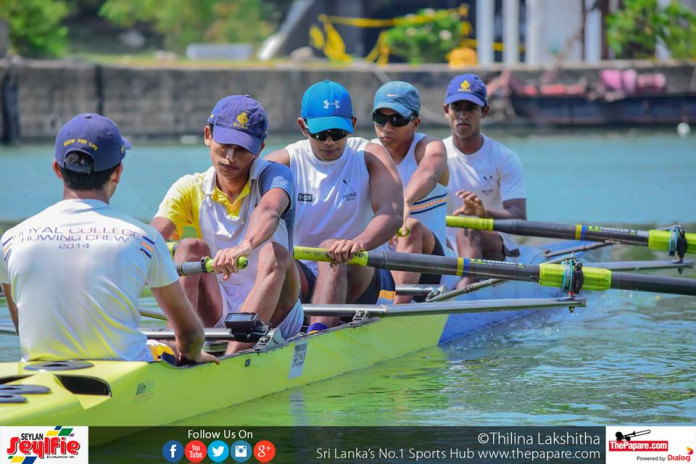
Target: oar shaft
column 546, row 274
column 650, row 283
column 653, row 239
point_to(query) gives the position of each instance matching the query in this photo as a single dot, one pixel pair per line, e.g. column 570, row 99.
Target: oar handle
column 204, row 266
column 322, row 254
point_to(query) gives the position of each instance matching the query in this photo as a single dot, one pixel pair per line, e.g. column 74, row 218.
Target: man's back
column 77, row 269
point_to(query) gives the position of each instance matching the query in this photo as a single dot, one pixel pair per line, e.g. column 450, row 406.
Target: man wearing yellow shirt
column 241, row 206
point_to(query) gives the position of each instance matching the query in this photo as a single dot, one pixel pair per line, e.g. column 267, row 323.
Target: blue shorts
column 381, row 289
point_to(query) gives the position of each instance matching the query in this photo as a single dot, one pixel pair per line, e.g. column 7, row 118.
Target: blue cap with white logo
column 399, row 96
column 94, row 135
column 327, row 105
column 239, row 120
column 467, row 87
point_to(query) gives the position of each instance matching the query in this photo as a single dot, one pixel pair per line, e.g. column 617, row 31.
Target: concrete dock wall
column 37, row 97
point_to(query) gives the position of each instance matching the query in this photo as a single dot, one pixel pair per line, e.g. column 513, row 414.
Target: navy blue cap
column 239, row 120
column 94, row 135
column 467, row 87
column 399, row 96
column 327, row 105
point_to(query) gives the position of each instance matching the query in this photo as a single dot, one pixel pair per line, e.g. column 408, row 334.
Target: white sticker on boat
column 298, row 359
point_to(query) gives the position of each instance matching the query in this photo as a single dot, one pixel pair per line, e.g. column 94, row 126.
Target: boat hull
column 118, row 393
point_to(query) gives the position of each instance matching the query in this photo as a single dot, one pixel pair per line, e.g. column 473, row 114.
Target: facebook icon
column 173, row 451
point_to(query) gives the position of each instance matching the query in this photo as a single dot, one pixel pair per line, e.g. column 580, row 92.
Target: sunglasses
column 396, row 120
column 335, row 134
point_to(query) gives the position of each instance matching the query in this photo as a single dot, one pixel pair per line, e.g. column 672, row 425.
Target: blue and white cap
column 327, row 105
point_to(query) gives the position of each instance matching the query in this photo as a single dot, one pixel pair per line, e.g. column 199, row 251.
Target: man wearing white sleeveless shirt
column 486, row 177
column 421, row 161
column 348, row 200
column 241, row 206
column 72, row 274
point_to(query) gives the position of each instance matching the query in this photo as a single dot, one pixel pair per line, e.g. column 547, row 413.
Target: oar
column 204, row 265
column 660, row 240
column 546, row 274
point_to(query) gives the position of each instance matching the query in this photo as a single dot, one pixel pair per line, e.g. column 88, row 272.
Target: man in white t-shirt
column 421, row 161
column 72, row 274
column 348, row 200
column 486, row 177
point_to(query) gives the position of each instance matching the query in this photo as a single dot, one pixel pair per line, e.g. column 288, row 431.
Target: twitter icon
column 218, row 451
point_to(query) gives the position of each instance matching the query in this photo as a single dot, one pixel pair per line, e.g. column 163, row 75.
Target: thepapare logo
column 305, row 197
column 29, row 444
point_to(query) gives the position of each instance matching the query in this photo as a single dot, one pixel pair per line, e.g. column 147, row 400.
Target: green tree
column 35, row 26
column 185, row 21
column 633, row 31
column 425, row 37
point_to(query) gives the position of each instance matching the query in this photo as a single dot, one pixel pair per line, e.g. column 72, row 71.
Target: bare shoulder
column 281, row 156
column 374, row 152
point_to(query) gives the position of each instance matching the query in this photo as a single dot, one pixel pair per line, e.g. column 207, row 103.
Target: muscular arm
column 432, row 168
column 164, row 226
column 186, row 324
column 14, row 313
column 279, row 156
column 266, row 216
column 386, row 198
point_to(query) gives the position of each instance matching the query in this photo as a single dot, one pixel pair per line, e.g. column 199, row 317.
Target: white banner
column 644, row 444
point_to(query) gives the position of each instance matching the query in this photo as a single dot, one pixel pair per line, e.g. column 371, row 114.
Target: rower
column 486, row 177
column 242, row 206
column 73, row 273
column 349, row 200
column 421, row 161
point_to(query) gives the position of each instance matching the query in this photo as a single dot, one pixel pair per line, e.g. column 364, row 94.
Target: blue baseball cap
column 467, row 87
column 326, row 105
column 399, row 96
column 94, row 135
column 239, row 120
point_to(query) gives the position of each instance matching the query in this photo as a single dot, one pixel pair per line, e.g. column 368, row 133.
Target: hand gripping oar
column 674, row 241
column 568, row 276
column 204, row 265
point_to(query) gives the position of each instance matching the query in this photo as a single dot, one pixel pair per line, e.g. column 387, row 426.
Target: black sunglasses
column 335, row 134
column 395, row 119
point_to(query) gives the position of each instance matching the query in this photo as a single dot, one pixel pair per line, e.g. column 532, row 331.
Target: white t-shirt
column 76, row 271
column 333, row 197
column 494, row 173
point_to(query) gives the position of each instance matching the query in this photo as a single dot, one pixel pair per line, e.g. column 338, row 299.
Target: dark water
column 627, row 358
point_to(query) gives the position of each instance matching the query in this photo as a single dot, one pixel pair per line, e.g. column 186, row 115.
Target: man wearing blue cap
column 421, row 161
column 486, row 177
column 241, row 206
column 348, row 200
column 73, row 273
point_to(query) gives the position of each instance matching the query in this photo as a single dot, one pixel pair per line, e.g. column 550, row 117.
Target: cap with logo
column 94, row 135
column 468, row 87
column 327, row 105
column 399, row 96
column 239, row 120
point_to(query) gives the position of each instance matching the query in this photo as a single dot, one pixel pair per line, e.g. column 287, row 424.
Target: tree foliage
column 35, row 26
column 187, row 21
column 634, row 31
column 426, row 37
